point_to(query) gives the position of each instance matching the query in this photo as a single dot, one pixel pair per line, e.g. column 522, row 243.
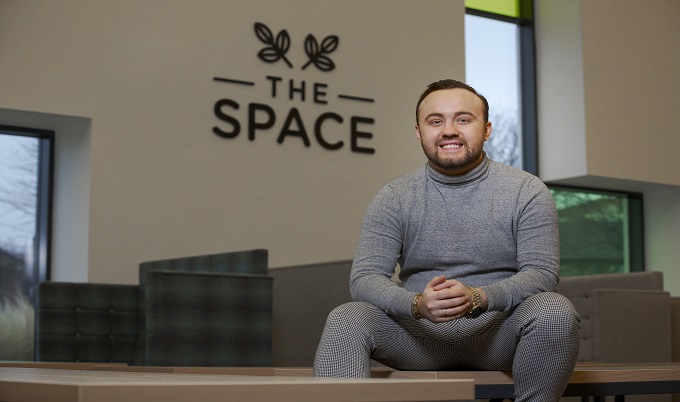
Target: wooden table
column 130, row 384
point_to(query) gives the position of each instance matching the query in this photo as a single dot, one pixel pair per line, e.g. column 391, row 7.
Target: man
column 477, row 242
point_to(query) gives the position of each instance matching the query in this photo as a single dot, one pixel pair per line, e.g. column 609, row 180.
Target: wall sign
column 295, row 127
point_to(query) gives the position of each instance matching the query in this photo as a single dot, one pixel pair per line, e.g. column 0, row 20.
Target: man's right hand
column 444, row 300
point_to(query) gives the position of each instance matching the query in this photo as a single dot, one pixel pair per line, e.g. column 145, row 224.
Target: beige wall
column 608, row 89
column 608, row 85
column 150, row 179
column 631, row 64
column 128, row 87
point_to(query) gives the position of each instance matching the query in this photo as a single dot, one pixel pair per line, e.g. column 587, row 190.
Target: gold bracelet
column 415, row 304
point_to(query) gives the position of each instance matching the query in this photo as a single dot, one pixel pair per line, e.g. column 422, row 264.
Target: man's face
column 451, row 130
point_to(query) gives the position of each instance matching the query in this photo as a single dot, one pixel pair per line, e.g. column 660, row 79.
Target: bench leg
column 601, row 398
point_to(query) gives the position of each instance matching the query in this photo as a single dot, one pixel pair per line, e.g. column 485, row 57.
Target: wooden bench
column 589, row 381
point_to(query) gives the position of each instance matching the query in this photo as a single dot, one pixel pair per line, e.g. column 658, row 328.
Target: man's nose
column 450, row 128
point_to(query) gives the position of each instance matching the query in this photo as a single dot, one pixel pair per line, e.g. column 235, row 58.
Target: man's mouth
column 451, row 144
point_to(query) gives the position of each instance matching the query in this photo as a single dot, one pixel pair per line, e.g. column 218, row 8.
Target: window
column 600, row 231
column 499, row 63
column 25, row 183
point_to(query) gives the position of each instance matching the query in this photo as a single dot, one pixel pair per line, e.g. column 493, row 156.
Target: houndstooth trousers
column 538, row 341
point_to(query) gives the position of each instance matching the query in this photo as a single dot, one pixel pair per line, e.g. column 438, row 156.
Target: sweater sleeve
column 538, row 250
column 378, row 252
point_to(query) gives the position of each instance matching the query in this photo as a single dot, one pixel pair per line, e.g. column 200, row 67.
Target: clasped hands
column 444, row 300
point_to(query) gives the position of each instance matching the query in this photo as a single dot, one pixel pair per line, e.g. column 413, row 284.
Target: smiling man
column 453, row 129
column 478, row 248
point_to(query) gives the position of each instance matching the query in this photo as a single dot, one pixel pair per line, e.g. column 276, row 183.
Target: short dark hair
column 451, row 84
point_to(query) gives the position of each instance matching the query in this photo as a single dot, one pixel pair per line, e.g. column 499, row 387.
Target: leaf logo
column 277, row 46
column 317, row 53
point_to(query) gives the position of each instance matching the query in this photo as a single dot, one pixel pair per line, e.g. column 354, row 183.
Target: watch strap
column 475, row 305
column 415, row 306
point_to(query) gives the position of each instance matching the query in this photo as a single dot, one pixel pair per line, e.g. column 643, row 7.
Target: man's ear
column 487, row 130
column 418, row 132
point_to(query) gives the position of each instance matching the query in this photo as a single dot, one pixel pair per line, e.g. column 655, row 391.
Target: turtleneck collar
column 475, row 174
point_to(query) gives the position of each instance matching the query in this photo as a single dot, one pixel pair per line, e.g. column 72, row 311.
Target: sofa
column 618, row 312
column 207, row 310
column 625, row 317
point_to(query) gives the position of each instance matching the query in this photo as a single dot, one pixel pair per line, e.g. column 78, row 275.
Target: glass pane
column 19, row 163
column 511, row 8
column 492, row 68
column 595, row 233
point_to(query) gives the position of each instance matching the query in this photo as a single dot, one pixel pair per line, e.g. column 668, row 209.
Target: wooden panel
column 32, row 384
column 60, row 365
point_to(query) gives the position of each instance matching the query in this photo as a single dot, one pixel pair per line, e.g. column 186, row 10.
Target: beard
column 470, row 156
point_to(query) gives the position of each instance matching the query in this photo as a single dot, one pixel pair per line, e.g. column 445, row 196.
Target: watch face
column 476, row 312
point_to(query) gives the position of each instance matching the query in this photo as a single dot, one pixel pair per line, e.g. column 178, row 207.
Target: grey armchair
column 619, row 314
column 213, row 310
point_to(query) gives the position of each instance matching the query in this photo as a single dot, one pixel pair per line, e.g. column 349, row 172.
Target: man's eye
column 465, row 120
column 437, row 121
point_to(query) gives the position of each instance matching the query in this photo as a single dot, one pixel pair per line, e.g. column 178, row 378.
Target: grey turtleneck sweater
column 494, row 227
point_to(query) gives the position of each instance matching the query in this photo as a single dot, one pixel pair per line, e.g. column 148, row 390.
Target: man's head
column 451, row 84
column 452, row 126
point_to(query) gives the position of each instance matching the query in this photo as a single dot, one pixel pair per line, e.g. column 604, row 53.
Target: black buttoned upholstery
column 208, row 310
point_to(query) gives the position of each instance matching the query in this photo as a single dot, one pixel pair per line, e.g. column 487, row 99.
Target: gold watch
column 415, row 304
column 476, row 308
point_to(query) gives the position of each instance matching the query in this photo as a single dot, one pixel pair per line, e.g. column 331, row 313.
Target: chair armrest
column 630, row 326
